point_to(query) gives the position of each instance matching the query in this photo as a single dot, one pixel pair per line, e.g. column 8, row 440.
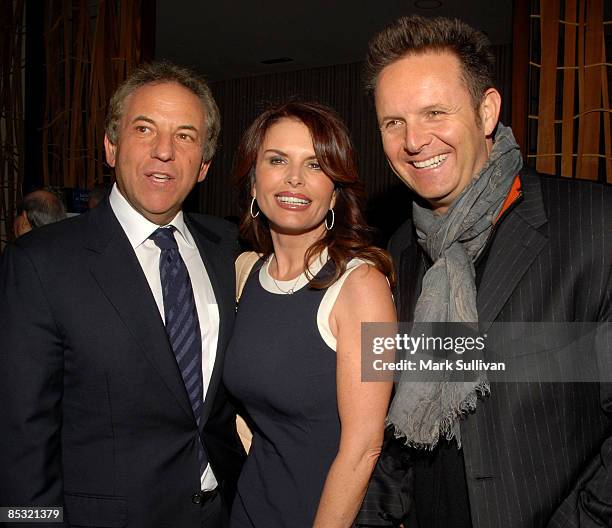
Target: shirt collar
column 137, row 228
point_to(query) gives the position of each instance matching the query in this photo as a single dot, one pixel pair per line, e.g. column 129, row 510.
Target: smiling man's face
column 434, row 139
column 158, row 155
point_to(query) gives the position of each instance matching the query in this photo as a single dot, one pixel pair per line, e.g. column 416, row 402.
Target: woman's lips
column 292, row 201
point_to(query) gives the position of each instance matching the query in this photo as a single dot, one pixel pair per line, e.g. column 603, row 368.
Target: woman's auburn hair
column 350, row 236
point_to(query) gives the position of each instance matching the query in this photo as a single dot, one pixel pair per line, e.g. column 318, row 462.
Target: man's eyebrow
column 437, row 106
column 188, row 127
column 143, row 118
column 149, row 120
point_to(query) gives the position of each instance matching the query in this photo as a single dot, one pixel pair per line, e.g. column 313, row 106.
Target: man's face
column 433, row 138
column 158, row 156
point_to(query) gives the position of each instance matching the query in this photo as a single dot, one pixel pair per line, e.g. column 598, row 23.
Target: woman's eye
column 314, row 165
column 276, row 160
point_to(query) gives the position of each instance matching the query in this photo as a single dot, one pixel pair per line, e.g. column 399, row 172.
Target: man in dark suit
column 487, row 241
column 114, row 326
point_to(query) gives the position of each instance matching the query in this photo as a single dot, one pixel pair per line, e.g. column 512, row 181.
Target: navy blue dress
column 279, row 367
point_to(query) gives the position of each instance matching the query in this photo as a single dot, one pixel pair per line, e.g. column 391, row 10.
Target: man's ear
column 489, row 110
column 111, row 151
column 21, row 224
column 204, row 166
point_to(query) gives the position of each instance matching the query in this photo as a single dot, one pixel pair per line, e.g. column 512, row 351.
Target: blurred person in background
column 37, row 209
column 97, row 194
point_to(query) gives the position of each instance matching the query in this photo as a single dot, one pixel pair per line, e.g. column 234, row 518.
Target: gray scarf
column 423, row 411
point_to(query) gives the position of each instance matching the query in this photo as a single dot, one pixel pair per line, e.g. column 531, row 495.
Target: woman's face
column 291, row 189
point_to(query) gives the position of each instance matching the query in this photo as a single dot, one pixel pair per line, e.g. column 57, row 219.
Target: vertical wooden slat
column 589, row 132
column 47, row 112
column 607, row 117
column 569, row 82
column 57, row 107
column 97, row 73
column 65, row 140
column 549, row 19
column 581, row 84
column 6, row 20
column 11, row 114
column 18, row 173
column 79, row 61
column 520, row 72
column 53, row 110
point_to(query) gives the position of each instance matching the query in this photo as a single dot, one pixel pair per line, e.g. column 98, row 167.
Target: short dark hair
column 42, row 208
column 412, row 35
column 350, row 236
column 166, row 72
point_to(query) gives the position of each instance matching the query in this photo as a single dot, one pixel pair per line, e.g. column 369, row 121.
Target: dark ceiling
column 227, row 40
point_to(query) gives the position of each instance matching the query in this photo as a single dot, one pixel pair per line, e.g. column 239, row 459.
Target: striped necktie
column 182, row 324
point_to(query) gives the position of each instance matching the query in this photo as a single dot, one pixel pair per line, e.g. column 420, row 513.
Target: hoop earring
column 252, row 203
column 333, row 219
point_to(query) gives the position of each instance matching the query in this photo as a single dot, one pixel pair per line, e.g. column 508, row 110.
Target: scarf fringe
column 480, row 391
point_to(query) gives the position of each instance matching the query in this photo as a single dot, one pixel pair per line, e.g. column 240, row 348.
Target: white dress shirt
column 138, row 229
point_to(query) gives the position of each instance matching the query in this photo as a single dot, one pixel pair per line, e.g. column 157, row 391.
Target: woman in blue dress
column 295, row 357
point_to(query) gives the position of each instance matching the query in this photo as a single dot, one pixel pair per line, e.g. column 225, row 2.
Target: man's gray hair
column 42, row 208
column 166, row 72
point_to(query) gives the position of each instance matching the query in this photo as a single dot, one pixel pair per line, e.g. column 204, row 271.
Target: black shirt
column 440, row 488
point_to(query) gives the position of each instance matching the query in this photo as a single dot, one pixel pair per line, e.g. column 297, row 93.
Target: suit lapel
column 223, row 288
column 118, row 273
column 517, row 242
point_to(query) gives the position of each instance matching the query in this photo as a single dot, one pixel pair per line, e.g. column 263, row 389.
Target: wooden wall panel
column 607, row 114
column 569, row 83
column 590, row 114
column 85, row 62
column 549, row 22
column 520, row 72
column 11, row 113
column 571, row 69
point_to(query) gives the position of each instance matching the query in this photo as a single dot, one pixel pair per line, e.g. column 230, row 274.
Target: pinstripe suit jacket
column 536, row 454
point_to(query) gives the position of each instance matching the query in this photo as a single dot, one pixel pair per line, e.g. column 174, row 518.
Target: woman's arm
column 364, row 297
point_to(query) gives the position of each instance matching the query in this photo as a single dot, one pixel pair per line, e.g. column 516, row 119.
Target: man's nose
column 416, row 138
column 163, row 147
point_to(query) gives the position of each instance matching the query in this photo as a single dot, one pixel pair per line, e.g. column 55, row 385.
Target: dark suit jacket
column 536, row 454
column 95, row 415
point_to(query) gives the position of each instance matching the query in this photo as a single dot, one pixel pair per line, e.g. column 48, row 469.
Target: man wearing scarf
column 487, row 240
